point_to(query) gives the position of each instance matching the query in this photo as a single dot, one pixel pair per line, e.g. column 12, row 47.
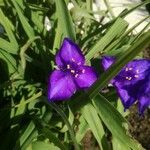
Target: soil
column 139, row 129
column 140, row 126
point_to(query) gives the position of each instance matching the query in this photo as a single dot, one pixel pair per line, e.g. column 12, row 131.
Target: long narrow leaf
column 8, row 28
column 114, row 122
column 112, row 33
column 91, row 116
column 65, row 19
column 28, row 29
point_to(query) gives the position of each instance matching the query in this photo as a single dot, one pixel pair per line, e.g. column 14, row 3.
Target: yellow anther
column 68, row 66
column 136, row 76
column 76, row 75
column 83, row 71
column 72, row 71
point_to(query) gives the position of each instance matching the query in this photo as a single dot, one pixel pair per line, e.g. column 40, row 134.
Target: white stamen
column 68, row 66
column 73, row 59
column 79, row 63
column 127, row 69
column 76, row 75
column 130, row 68
column 83, row 70
column 137, row 71
column 72, row 71
column 136, row 76
column 127, row 78
column 130, row 78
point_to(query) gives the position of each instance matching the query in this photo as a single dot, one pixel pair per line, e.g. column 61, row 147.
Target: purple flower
column 72, row 73
column 132, row 82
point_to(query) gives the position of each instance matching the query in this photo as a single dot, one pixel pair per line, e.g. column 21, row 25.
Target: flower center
column 131, row 74
column 74, row 68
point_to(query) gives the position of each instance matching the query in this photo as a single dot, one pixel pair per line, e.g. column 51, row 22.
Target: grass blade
column 114, row 122
column 112, row 34
column 26, row 26
column 62, row 114
column 92, row 118
column 8, row 28
column 65, row 19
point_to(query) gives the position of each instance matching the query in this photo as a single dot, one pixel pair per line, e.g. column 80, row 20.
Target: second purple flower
column 132, row 82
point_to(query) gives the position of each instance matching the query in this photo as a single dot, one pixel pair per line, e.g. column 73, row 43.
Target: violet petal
column 107, row 61
column 144, row 102
column 61, row 86
column 86, row 77
column 144, row 95
column 69, row 53
column 126, row 98
column 137, row 70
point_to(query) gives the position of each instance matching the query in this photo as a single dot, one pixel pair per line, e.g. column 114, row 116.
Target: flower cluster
column 132, row 82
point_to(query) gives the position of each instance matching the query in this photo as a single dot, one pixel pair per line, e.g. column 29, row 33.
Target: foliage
column 27, row 52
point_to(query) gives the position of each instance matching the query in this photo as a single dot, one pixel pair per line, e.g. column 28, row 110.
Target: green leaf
column 62, row 114
column 109, row 8
column 82, row 129
column 117, row 145
column 8, row 28
column 21, row 108
column 58, row 37
column 126, row 12
column 28, row 131
column 38, row 20
column 136, row 48
column 95, row 124
column 31, row 99
column 115, row 122
column 65, row 20
column 23, row 49
column 39, row 145
column 53, row 138
column 26, row 26
column 11, row 62
column 110, row 35
column 70, row 119
column 113, row 47
column 8, row 47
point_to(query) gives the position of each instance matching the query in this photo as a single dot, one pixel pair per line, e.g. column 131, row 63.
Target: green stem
column 62, row 114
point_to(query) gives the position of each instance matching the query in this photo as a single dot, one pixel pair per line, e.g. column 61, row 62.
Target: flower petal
column 141, row 65
column 139, row 70
column 61, row 86
column 144, row 102
column 144, row 95
column 126, row 97
column 68, row 53
column 86, row 78
column 107, row 61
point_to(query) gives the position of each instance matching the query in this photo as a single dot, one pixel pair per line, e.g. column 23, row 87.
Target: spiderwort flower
column 71, row 73
column 132, row 82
